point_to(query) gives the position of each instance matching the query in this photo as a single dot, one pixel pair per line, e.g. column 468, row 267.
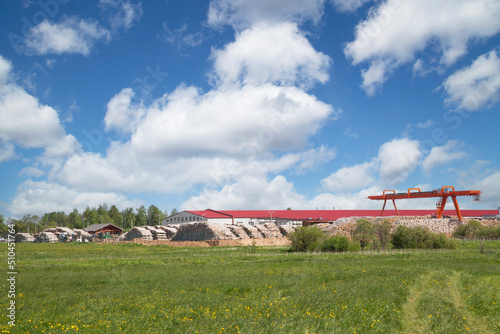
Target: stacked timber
column 273, row 231
column 24, row 237
column 64, row 230
column 239, row 231
column 169, row 231
column 46, row 237
column 158, row 234
column 286, row 229
column 251, row 231
column 200, row 231
column 138, row 233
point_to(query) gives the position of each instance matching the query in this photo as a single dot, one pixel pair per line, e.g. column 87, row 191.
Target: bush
column 363, row 233
column 382, row 231
column 305, row 239
column 337, row 243
column 419, row 237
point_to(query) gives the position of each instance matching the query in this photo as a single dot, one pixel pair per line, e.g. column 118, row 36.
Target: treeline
column 75, row 219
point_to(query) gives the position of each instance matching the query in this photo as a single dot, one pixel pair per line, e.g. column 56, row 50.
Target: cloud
column 443, row 154
column 475, row 86
column 348, row 5
column 425, row 125
column 242, row 14
column 29, row 124
column 347, row 179
column 7, row 151
column 5, row 68
column 490, row 186
column 276, row 53
column 398, row 158
column 121, row 13
column 72, row 35
column 121, row 114
column 181, row 38
column 254, row 192
column 41, row 197
column 395, row 31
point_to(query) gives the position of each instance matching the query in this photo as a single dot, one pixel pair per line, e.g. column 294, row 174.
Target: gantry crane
column 443, row 194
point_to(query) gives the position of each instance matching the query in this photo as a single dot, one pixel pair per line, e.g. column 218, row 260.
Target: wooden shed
column 105, row 229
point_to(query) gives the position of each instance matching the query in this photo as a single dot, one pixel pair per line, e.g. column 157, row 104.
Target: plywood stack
column 64, row 230
column 200, row 231
column 274, row 231
column 444, row 225
column 251, row 231
column 138, row 233
column 158, row 234
column 286, row 229
column 24, row 237
column 169, row 231
column 46, row 237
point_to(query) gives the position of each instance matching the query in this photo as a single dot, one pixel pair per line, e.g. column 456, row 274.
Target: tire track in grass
column 435, row 305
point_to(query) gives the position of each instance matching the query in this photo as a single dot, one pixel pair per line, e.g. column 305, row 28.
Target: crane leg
column 440, row 208
column 394, row 202
column 381, row 213
column 456, row 207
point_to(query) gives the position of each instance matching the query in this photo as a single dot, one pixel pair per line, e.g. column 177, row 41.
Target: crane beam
column 444, row 194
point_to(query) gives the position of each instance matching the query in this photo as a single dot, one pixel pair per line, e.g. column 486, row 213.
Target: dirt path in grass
column 435, row 305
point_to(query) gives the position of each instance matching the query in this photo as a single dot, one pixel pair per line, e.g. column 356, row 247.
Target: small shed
column 105, row 229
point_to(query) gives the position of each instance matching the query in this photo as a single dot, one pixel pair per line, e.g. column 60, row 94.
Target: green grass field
column 95, row 288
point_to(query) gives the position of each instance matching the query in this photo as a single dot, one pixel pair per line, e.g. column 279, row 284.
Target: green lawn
column 95, row 288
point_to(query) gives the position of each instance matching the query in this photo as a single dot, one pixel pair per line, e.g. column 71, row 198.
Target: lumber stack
column 158, row 234
column 200, row 231
column 273, row 231
column 239, row 231
column 169, row 231
column 286, row 229
column 251, row 231
column 138, row 233
column 46, row 237
column 24, row 237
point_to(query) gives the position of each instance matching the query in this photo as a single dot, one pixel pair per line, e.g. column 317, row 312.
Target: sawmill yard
column 129, row 287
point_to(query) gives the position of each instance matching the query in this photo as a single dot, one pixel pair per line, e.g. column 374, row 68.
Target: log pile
column 200, row 231
column 239, row 231
column 169, row 231
column 158, row 234
column 46, row 237
column 273, row 231
column 138, row 233
column 286, row 229
column 24, row 237
column 251, row 231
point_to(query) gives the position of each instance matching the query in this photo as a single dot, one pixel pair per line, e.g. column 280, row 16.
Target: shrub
column 337, row 243
column 471, row 229
column 363, row 233
column 382, row 231
column 419, row 237
column 305, row 239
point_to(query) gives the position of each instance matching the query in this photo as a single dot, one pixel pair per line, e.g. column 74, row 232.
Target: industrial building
column 254, row 217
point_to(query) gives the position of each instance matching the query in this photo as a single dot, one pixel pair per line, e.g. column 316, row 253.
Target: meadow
column 97, row 288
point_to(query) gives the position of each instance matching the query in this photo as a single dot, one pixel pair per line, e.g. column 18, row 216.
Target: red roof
column 329, row 215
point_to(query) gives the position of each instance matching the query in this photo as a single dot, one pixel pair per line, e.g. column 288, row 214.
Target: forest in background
column 103, row 214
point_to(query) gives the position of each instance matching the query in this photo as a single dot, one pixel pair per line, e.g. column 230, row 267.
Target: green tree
column 3, row 227
column 75, row 219
column 141, row 216
column 363, row 233
column 115, row 216
column 128, row 217
column 154, row 215
column 382, row 231
column 174, row 212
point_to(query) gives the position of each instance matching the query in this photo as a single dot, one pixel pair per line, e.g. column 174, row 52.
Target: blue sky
column 232, row 104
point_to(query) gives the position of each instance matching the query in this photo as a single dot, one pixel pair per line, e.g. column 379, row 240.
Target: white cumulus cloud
column 475, row 86
column 72, row 35
column 395, row 31
column 276, row 53
column 443, row 154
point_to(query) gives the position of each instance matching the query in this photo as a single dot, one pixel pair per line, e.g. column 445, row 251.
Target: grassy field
column 95, row 288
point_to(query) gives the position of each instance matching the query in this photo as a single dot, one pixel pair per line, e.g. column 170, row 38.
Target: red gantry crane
column 444, row 193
